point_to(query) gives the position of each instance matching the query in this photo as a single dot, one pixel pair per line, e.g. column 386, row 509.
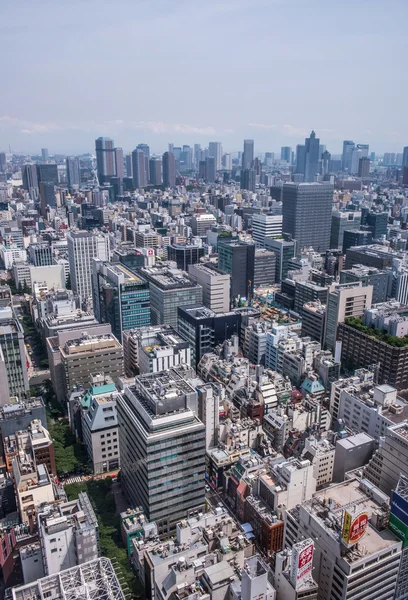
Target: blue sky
column 159, row 71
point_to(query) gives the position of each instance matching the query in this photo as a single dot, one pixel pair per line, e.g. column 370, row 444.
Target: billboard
column 302, row 561
column 399, row 528
column 354, row 527
column 399, row 507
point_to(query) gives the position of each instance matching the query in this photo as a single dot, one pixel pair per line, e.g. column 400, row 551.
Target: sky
column 194, row 71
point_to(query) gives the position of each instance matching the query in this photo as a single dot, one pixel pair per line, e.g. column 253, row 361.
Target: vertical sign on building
column 302, row 561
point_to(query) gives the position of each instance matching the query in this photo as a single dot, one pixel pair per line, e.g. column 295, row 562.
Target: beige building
column 33, row 486
column 216, row 286
column 347, row 300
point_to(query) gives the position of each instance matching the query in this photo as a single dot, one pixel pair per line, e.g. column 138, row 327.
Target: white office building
column 266, row 226
column 83, row 246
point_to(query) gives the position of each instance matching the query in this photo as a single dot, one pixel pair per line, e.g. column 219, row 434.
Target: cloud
column 284, row 129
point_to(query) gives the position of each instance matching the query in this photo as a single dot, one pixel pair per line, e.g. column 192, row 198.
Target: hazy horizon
column 191, row 72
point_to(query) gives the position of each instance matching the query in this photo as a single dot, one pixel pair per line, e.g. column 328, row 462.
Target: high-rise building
column 169, row 169
column 284, row 251
column 355, row 156
column 12, row 356
column 184, row 254
column 162, row 448
column 3, row 162
column 304, row 205
column 348, row 147
column 380, row 280
column 73, row 172
column 312, row 157
column 83, row 246
column 170, row 289
column 129, row 169
column 238, row 259
column 139, row 168
column 119, row 166
column 325, row 163
column 155, row 170
column 342, row 220
column 44, row 154
column 364, row 149
column 47, row 197
column 47, row 172
column 30, row 180
column 264, row 268
column 300, row 159
column 210, row 169
column 215, row 150
column 40, row 254
column 216, row 286
column 227, row 162
column 120, row 297
column 405, row 157
column 286, row 154
column 105, row 159
column 347, row 300
column 266, row 226
column 248, row 179
column 248, row 154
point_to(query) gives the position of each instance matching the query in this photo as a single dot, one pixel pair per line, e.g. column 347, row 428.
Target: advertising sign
column 399, row 529
column 302, row 561
column 354, row 527
column 399, row 507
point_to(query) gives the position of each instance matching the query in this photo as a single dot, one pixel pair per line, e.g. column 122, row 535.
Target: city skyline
column 307, row 66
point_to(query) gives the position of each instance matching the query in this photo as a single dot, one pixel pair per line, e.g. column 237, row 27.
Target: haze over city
column 188, row 72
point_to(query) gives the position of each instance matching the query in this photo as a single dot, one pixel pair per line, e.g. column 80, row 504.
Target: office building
column 204, row 329
column 216, row 286
column 284, row 252
column 119, row 165
column 162, row 448
column 93, row 578
column 210, row 169
column 356, row 237
column 83, row 246
column 40, row 254
column 3, row 162
column 120, row 297
column 346, row 300
column 304, row 205
column 264, row 268
column 379, row 280
column 340, row 222
column 348, row 147
column 312, row 157
column 169, row 169
column 201, row 223
column 47, row 197
column 153, row 349
column 17, row 414
column 105, row 159
column 355, row 555
column 155, row 170
column 376, row 222
column 169, row 289
column 286, row 154
column 99, row 424
column 76, row 355
column 364, row 167
column 12, row 355
column 405, row 157
column 307, row 291
column 47, row 172
column 227, row 162
column 139, row 168
column 352, row 452
column 266, row 226
column 248, row 154
column 237, row 258
column 35, row 441
column 129, row 170
column 300, row 159
column 373, row 255
column 72, row 167
column 184, row 255
column 314, row 321
column 215, row 151
column 30, row 180
column 248, row 180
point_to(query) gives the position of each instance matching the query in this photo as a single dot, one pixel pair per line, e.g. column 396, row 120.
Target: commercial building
column 83, row 246
column 374, row 255
column 47, row 197
column 18, row 414
column 356, row 237
column 204, row 329
column 379, row 280
column 305, row 205
column 264, row 267
column 248, row 154
column 346, row 300
column 355, row 554
column 284, row 252
column 352, row 452
column 153, row 349
column 201, row 223
column 100, row 432
column 342, row 221
column 237, row 258
column 170, row 289
column 12, row 355
column 35, row 441
column 216, row 286
column 72, row 166
column 40, row 254
column 306, row 291
column 162, row 448
column 120, row 297
column 105, row 159
column 33, row 484
column 184, row 255
column 314, row 321
column 94, row 578
column 47, row 172
column 312, row 156
column 266, row 226
column 169, row 169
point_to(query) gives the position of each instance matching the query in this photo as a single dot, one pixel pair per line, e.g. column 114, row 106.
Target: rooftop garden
column 391, row 340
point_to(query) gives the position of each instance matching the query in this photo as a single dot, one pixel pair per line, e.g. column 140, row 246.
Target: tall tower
column 348, row 147
column 405, row 157
column 215, row 150
column 73, row 172
column 169, row 169
column 312, row 144
column 139, row 168
column 248, row 154
column 119, row 168
column 155, row 170
column 44, row 154
column 105, row 159
column 83, row 246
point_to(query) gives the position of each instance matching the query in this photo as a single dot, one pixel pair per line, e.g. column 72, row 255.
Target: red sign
column 358, row 528
column 305, row 561
column 150, row 252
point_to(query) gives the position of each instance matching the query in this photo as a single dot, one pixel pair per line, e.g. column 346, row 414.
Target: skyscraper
column 47, row 172
column 197, row 154
column 47, row 197
column 155, row 170
column 364, row 150
column 248, row 179
column 248, row 154
column 129, row 170
column 44, row 154
column 30, row 179
column 312, row 144
column 119, row 167
column 145, row 148
column 227, row 162
column 348, row 147
column 300, row 159
column 286, row 154
column 215, row 150
column 210, row 169
column 139, row 168
column 405, row 157
column 355, row 156
column 169, row 169
column 83, row 246
column 73, row 172
column 105, row 158
column 364, row 167
column 304, row 206
column 3, row 162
